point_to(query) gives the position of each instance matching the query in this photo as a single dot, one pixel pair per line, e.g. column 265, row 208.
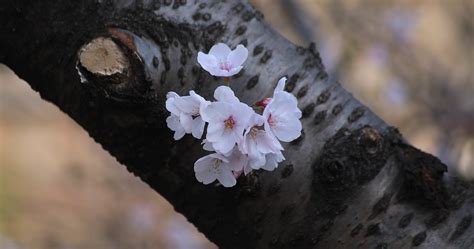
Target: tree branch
column 351, row 180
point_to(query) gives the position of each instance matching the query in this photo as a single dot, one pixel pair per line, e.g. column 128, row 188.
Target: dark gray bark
column 350, row 182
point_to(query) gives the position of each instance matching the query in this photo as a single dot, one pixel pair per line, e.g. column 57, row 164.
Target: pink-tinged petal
column 220, row 51
column 208, row 62
column 237, row 160
column 280, row 85
column 198, row 127
column 225, row 177
column 287, row 129
column 238, row 56
column 225, row 94
column 233, row 71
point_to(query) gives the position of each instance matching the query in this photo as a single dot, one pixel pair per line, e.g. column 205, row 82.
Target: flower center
column 229, row 123
column 225, row 66
column 253, row 132
column 217, row 163
column 271, row 121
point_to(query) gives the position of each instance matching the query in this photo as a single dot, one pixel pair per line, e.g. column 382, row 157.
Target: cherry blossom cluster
column 242, row 138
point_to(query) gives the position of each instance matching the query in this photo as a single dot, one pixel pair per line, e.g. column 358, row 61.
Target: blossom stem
column 227, row 81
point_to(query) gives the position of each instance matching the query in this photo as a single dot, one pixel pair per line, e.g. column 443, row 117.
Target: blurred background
column 410, row 61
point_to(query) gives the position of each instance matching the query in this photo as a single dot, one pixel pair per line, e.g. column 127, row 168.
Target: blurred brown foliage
column 411, row 61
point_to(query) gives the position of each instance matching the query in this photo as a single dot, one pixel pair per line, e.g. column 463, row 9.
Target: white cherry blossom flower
column 282, row 115
column 177, row 121
column 223, row 62
column 258, row 143
column 227, row 123
column 185, row 112
column 217, row 166
column 175, row 125
column 190, row 107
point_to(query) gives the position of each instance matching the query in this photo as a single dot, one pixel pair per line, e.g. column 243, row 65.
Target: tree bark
column 351, row 181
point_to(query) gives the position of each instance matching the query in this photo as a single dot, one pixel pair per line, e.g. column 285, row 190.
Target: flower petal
column 225, row 94
column 171, row 107
column 225, row 177
column 220, row 51
column 198, row 127
column 216, row 111
column 272, row 161
column 280, row 85
column 238, row 56
column 203, row 169
column 225, row 143
column 214, row 131
column 207, row 61
column 288, row 129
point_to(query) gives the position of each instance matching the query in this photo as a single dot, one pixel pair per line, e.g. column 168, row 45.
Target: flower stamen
column 229, row 123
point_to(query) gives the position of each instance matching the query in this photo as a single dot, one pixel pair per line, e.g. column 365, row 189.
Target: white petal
column 225, row 94
column 287, row 129
column 272, row 161
column 203, row 163
column 237, row 160
column 186, row 121
column 188, row 105
column 207, row 145
column 217, row 111
column 196, row 97
column 173, row 122
column 257, row 161
column 203, row 170
column 171, row 107
column 171, row 95
column 225, row 177
column 225, row 143
column 243, row 115
column 238, row 56
column 267, row 143
column 208, row 62
column 205, row 177
column 220, row 51
column 233, row 71
column 198, row 127
column 214, row 131
column 280, row 85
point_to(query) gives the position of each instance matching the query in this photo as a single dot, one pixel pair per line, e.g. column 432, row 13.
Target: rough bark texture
column 350, row 182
